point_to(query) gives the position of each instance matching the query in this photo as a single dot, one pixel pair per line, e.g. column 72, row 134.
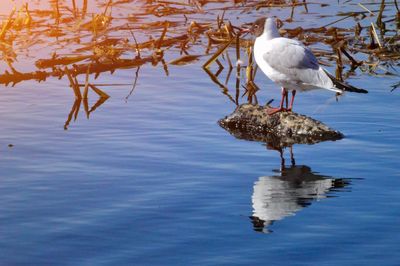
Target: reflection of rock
column 251, row 122
column 276, row 197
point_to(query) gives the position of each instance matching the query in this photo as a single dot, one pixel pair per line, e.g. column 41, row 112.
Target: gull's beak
column 241, row 30
column 244, row 31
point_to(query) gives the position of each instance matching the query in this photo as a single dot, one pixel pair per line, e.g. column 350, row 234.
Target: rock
column 283, row 129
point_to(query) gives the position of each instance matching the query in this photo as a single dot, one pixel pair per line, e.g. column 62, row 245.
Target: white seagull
column 290, row 64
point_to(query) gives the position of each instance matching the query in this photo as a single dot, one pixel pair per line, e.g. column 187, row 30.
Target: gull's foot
column 271, row 111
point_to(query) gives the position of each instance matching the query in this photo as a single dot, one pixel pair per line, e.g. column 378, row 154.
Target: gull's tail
column 344, row 86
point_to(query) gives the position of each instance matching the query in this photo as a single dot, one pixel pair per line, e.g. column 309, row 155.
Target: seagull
column 290, row 64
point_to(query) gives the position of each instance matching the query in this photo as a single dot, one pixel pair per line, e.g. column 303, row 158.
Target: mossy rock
column 283, row 129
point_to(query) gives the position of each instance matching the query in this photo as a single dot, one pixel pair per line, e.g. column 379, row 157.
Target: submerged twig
column 134, row 84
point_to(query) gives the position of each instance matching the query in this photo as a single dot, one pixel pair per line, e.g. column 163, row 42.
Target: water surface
column 153, row 180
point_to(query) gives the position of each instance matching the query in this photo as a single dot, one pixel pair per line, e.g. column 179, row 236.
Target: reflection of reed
column 76, row 107
column 293, row 188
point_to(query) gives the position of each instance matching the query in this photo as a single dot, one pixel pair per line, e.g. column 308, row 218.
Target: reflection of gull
column 276, row 197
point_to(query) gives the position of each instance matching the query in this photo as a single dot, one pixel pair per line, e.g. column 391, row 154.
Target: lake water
column 154, row 180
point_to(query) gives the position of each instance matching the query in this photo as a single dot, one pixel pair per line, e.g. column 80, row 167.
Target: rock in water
column 283, row 129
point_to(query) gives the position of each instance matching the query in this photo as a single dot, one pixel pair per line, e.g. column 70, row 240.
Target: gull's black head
column 258, row 26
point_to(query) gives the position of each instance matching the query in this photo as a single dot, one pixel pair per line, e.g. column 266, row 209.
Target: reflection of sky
column 157, row 175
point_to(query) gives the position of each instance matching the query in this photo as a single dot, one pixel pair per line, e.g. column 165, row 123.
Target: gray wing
column 291, row 58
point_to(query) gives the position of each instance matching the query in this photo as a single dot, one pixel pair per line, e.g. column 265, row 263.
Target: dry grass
column 101, row 42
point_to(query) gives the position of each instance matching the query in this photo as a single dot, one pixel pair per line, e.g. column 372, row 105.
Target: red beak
column 244, row 31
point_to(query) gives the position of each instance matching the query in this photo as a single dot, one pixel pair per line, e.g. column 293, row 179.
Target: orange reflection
column 79, row 40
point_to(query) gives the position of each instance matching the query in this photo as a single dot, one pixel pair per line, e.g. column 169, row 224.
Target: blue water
column 153, row 180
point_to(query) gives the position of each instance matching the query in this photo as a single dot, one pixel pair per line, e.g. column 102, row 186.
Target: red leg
column 292, row 100
column 286, row 99
column 280, row 108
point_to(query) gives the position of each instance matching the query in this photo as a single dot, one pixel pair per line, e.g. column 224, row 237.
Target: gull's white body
column 288, row 63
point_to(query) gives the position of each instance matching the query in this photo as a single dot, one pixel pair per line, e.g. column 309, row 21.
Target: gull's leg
column 292, row 100
column 280, row 108
column 286, row 99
